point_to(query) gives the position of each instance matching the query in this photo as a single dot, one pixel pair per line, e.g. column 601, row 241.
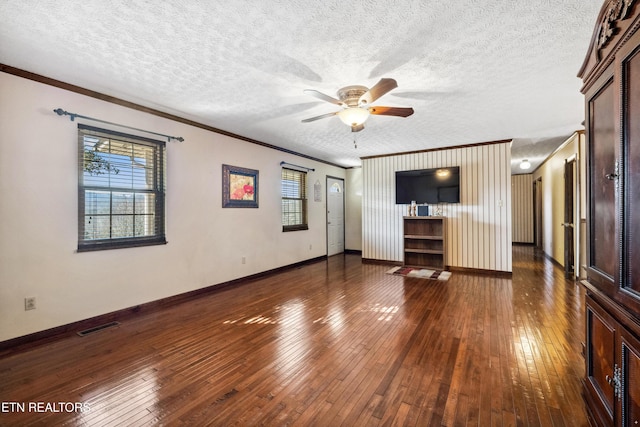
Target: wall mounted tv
column 431, row 186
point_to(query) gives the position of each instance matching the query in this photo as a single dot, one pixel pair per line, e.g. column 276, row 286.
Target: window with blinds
column 121, row 190
column 294, row 200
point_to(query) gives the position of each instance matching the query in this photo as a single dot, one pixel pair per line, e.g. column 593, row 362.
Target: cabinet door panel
column 631, row 139
column 600, row 357
column 603, row 259
column 630, row 380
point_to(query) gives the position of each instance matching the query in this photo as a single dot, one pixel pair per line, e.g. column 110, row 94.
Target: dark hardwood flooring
column 333, row 343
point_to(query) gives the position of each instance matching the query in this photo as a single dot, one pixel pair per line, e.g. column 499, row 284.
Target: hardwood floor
column 333, row 343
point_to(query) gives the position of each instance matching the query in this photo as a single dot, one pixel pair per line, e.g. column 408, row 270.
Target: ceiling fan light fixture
column 525, row 164
column 355, row 101
column 353, row 116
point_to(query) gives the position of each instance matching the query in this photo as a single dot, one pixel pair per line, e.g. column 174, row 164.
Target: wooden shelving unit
column 425, row 244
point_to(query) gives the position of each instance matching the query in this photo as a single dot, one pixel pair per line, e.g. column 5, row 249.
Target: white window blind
column 294, row 200
column 121, row 190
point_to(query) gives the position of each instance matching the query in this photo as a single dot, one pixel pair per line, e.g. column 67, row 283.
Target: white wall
column 38, row 214
column 522, row 207
column 478, row 228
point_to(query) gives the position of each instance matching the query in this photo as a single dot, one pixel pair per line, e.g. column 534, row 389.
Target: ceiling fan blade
column 313, row 119
column 391, row 111
column 357, row 128
column 380, row 88
column 322, row 96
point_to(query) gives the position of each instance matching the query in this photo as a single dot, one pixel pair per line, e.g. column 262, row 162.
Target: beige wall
column 552, row 174
column 522, row 208
column 38, row 214
column 353, row 234
column 479, row 228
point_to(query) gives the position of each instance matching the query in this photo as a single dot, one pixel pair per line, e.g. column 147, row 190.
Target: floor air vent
column 97, row 328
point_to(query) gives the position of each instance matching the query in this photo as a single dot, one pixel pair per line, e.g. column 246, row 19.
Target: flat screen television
column 431, row 186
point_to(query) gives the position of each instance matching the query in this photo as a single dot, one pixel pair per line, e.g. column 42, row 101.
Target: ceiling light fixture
column 353, row 116
column 525, row 164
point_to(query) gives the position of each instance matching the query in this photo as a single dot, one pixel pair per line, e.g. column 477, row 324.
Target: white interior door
column 335, row 216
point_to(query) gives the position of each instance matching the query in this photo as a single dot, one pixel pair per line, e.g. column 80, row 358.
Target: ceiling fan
column 356, row 104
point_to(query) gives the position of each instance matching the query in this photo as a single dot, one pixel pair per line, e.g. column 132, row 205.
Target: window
column 121, row 190
column 294, row 200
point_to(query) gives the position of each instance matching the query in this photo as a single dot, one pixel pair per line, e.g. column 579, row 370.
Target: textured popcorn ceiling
column 472, row 70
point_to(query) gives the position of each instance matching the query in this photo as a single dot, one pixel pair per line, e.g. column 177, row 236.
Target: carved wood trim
column 592, row 71
column 616, row 11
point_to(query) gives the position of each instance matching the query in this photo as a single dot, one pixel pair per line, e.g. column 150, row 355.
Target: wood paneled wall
column 478, row 228
column 522, row 208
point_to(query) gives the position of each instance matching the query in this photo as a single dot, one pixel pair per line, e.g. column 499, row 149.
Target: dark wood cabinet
column 611, row 76
column 612, row 374
column 425, row 243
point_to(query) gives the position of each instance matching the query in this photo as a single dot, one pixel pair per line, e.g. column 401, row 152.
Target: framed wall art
column 239, row 187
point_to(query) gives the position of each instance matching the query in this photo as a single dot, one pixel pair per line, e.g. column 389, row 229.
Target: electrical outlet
column 30, row 303
column 244, row 260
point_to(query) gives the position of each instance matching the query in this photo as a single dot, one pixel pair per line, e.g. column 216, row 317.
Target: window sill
column 294, row 228
column 115, row 244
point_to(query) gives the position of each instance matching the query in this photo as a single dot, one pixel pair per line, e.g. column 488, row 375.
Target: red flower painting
column 239, row 187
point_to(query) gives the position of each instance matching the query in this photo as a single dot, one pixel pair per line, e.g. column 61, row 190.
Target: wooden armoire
column 611, row 76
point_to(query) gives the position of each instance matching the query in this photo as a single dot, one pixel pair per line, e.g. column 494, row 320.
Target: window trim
column 158, row 190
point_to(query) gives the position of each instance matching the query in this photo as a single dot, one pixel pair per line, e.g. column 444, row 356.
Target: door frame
column 538, row 218
column 326, row 212
column 569, row 224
